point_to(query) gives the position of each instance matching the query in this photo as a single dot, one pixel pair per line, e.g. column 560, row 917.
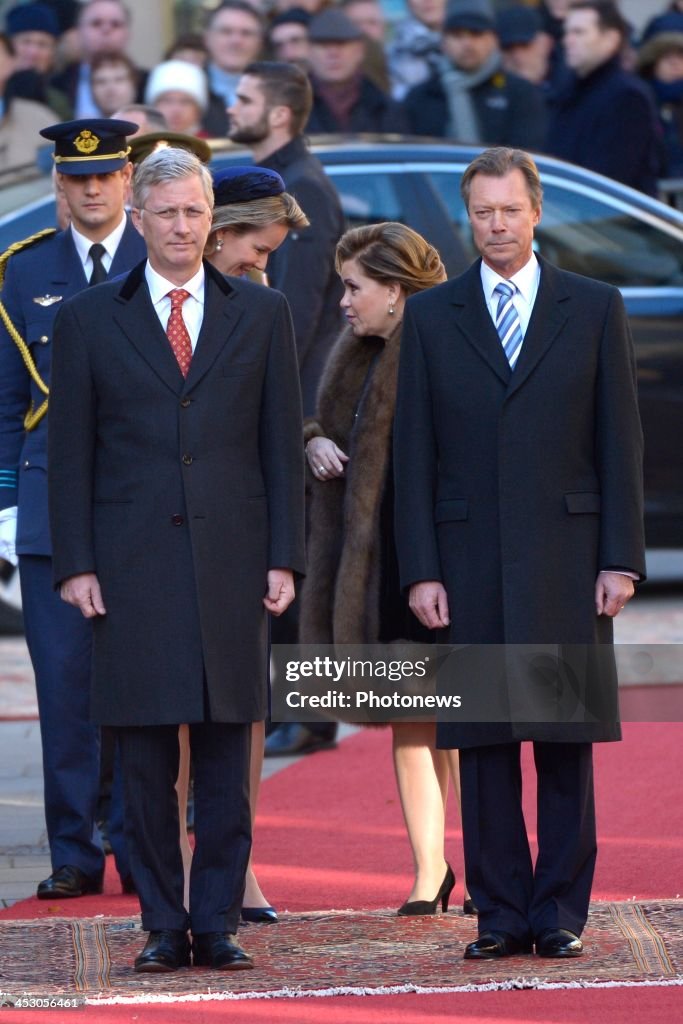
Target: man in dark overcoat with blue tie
column 176, row 507
column 518, row 461
column 93, row 176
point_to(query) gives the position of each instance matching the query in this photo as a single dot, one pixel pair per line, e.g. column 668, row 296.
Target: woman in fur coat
column 351, row 594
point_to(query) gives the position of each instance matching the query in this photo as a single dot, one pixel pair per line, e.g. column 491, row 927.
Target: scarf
column 464, row 123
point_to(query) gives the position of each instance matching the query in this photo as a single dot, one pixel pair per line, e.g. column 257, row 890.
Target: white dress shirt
column 526, row 282
column 110, row 243
column 193, row 308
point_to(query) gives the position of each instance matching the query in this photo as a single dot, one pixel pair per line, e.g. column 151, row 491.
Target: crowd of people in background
column 566, row 77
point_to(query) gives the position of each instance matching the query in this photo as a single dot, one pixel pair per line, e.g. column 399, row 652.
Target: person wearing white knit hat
column 180, row 91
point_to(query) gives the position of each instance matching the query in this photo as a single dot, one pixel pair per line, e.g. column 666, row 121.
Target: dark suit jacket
column 510, row 111
column 179, row 493
column 50, row 267
column 374, row 111
column 516, row 489
column 303, row 267
column 608, row 122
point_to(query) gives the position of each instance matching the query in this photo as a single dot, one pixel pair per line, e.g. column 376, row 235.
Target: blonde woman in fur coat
column 352, row 593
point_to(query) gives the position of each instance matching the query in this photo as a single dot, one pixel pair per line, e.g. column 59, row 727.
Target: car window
column 367, row 198
column 582, row 233
column 587, row 235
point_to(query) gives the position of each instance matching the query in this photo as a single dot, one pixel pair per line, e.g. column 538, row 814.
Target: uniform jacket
column 303, row 266
column 510, row 110
column 516, row 489
column 50, row 268
column 179, row 493
column 608, row 122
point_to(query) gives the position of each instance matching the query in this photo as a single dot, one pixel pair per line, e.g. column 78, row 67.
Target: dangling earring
column 219, row 244
column 391, row 310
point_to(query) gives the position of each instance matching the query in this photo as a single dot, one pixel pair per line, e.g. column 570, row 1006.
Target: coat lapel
column 475, row 323
column 131, row 249
column 135, row 315
column 548, row 318
column 222, row 311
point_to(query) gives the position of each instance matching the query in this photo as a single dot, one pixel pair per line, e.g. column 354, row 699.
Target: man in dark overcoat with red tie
column 176, row 506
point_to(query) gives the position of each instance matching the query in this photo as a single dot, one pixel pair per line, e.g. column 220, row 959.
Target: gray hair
column 169, row 164
column 497, row 162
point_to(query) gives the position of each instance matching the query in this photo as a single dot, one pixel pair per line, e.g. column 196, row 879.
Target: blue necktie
column 507, row 323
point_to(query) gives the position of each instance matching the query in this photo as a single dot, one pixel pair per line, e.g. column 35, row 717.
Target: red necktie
column 177, row 331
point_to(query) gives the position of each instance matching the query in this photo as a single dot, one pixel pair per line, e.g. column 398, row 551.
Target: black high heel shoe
column 416, row 908
column 259, row 915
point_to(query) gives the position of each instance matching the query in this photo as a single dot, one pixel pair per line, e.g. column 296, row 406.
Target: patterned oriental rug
column 334, row 953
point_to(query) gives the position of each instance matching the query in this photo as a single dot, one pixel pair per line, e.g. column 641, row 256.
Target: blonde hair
column 241, row 218
column 391, row 252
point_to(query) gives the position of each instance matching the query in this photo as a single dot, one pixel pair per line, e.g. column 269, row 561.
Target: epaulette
column 25, row 243
column 32, row 417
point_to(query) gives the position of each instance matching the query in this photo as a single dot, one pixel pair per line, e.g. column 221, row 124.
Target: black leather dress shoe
column 219, row 950
column 493, row 945
column 558, row 942
column 67, row 882
column 164, row 951
column 293, row 738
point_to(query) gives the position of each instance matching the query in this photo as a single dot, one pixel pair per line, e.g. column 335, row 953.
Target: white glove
column 8, row 534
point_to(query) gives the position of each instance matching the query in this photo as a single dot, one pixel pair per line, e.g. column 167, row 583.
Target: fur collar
column 356, row 403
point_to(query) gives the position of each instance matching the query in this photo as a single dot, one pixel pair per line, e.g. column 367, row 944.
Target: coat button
column 185, row 402
column 177, row 520
column 187, row 460
column 43, row 339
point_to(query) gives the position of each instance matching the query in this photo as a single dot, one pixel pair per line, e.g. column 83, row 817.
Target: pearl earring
column 391, row 311
column 219, row 244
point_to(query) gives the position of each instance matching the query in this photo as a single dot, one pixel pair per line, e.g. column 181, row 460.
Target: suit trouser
column 222, row 828
column 60, row 644
column 511, row 893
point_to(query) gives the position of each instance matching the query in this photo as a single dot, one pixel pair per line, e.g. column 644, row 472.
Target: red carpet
column 330, row 835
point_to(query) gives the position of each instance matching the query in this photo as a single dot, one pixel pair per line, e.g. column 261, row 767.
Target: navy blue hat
column 92, row 145
column 242, row 184
column 32, row 18
column 670, row 21
column 517, row 25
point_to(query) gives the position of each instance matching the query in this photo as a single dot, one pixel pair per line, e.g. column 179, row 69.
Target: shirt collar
column 525, row 280
column 110, row 243
column 159, row 286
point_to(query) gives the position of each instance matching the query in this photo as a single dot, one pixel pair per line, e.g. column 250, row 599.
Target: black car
column 591, row 225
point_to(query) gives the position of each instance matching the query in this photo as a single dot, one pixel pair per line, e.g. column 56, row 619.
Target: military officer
column 93, row 175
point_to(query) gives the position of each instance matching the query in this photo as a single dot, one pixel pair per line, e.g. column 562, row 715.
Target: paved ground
column 655, row 618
